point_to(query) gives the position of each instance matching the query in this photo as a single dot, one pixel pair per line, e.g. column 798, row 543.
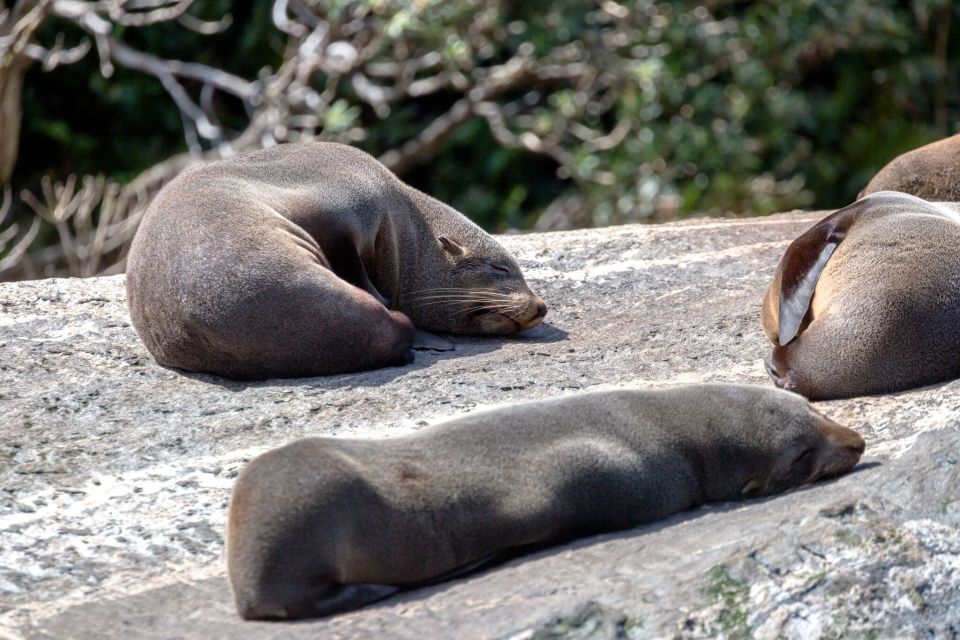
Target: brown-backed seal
column 326, row 524
column 931, row 172
column 868, row 300
column 282, row 263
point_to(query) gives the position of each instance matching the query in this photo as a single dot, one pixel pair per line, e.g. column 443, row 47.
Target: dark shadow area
column 463, row 346
column 545, row 332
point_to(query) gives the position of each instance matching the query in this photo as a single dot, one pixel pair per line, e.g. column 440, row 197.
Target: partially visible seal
column 324, row 525
column 311, row 259
column 931, row 172
column 868, row 300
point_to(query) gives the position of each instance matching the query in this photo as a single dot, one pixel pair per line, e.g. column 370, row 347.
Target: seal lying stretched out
column 283, row 263
column 868, row 300
column 324, row 525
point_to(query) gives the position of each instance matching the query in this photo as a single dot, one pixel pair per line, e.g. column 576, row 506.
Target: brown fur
column 885, row 309
column 326, row 524
column 931, row 172
column 279, row 263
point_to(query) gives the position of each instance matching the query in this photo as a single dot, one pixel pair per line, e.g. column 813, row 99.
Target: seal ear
column 802, row 264
column 451, row 246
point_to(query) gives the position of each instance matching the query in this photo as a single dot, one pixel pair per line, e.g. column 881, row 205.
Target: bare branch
column 599, row 142
column 54, row 57
column 282, row 20
column 303, row 99
column 95, row 223
column 17, row 27
column 127, row 14
column 14, row 254
column 519, row 71
column 205, row 27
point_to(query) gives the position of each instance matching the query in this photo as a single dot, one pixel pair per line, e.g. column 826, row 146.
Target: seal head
column 479, row 290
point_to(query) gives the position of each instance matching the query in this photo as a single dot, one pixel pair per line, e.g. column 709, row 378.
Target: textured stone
column 115, row 472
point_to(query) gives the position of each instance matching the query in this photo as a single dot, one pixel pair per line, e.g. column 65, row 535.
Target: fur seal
column 283, row 263
column 868, row 300
column 323, row 525
column 931, row 172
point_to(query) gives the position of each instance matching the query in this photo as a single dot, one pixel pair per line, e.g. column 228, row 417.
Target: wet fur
column 283, row 263
column 325, row 524
column 882, row 314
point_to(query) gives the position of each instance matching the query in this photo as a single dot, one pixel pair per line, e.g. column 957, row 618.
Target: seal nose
column 858, row 448
column 541, row 309
column 771, row 367
column 846, row 444
column 783, row 377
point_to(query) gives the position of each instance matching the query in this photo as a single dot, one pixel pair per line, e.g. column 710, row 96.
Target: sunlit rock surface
column 115, row 472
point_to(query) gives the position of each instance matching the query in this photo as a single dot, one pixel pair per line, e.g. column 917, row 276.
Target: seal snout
column 841, row 449
column 541, row 309
column 859, row 447
column 537, row 310
column 778, row 371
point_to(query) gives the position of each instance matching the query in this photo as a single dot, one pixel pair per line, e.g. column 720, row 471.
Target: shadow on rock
column 423, row 359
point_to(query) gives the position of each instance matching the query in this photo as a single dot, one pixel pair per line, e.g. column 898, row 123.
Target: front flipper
column 456, row 573
column 802, row 264
column 346, row 263
column 382, row 299
column 346, row 598
column 426, row 341
column 363, row 281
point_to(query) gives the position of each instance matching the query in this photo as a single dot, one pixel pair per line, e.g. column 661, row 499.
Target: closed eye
column 500, row 269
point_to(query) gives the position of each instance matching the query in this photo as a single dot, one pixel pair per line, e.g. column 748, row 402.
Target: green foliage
column 770, row 105
column 77, row 121
column 511, row 179
column 730, row 106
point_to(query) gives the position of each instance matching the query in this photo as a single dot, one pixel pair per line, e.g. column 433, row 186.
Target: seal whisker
column 455, row 290
column 458, row 290
column 463, row 297
column 441, row 302
column 461, row 293
column 494, row 308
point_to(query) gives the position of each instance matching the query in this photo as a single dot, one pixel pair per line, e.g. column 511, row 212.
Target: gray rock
column 115, row 472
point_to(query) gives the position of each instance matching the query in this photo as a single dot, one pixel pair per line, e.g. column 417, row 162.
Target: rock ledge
column 116, row 472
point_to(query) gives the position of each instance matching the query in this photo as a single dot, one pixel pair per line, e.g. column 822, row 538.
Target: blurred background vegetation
column 523, row 115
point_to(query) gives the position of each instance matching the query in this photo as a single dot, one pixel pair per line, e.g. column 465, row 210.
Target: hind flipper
column 802, row 264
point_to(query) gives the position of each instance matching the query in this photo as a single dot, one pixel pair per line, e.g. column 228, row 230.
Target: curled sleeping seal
column 868, row 300
column 931, row 172
column 324, row 525
column 311, row 259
